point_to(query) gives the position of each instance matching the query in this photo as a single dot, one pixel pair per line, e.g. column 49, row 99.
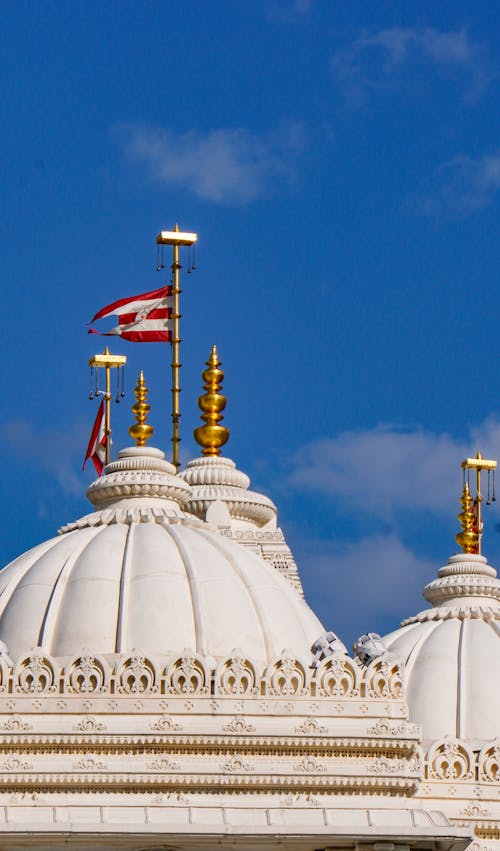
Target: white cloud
column 387, row 470
column 226, row 165
column 378, row 60
column 364, row 586
column 462, row 186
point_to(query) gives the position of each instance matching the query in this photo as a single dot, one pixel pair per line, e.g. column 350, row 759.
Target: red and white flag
column 97, row 443
column 144, row 318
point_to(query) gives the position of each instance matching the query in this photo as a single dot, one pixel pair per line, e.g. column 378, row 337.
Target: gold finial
column 141, row 431
column 468, row 538
column 478, row 465
column 212, row 435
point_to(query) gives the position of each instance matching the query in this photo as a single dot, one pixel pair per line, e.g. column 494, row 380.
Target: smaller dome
column 451, row 650
column 215, row 479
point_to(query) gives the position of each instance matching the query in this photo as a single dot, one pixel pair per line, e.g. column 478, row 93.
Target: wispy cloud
column 51, row 451
column 365, row 585
column 388, row 471
column 224, row 166
column 289, row 11
column 461, row 187
column 379, row 60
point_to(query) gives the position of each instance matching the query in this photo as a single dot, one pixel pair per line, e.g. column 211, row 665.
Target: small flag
column 144, row 318
column 97, row 443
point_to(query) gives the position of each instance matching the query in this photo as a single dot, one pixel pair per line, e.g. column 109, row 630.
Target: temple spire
column 212, row 436
column 141, row 431
column 468, row 538
column 471, row 516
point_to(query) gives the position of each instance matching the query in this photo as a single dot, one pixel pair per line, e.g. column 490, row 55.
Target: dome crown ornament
column 468, row 538
column 141, row 431
column 471, row 515
column 212, row 436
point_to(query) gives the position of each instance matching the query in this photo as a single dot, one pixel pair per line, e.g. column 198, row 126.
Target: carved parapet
column 336, row 676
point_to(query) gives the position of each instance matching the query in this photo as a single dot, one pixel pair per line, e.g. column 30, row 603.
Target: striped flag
column 144, row 318
column 96, row 450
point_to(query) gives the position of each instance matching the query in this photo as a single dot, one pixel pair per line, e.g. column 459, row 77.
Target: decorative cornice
column 463, row 612
column 139, row 472
column 71, row 782
column 268, row 745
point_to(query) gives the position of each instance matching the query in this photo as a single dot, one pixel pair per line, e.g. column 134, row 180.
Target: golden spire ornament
column 471, row 516
column 468, row 538
column 141, row 431
column 212, row 436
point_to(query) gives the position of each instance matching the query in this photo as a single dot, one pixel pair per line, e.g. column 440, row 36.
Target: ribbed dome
column 140, row 573
column 452, row 653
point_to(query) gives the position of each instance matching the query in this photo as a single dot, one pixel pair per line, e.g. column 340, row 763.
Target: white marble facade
column 159, row 690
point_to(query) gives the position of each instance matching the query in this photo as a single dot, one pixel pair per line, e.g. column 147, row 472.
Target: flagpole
column 107, row 415
column 176, row 238
column 176, row 344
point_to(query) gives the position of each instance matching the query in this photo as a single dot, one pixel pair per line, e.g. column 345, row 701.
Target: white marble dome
column 452, row 653
column 140, row 573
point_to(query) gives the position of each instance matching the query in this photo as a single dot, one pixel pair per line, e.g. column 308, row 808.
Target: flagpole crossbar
column 107, row 361
column 177, row 239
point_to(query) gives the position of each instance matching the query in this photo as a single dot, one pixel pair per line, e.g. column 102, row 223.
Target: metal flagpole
column 176, row 238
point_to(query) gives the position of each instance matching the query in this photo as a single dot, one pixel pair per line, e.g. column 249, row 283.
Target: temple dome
column 451, row 651
column 141, row 573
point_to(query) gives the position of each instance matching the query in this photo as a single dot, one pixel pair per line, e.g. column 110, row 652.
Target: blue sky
column 341, row 164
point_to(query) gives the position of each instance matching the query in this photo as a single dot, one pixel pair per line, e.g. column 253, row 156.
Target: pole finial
column 468, row 538
column 212, row 436
column 141, row 431
column 477, row 465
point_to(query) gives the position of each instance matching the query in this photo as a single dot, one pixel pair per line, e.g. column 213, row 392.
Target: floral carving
column 89, row 724
column 473, row 810
column 386, row 728
column 187, row 676
column 89, row 763
column 87, row 675
column 238, row 725
column 137, row 675
column 35, row 674
column 287, row 676
column 489, row 763
column 388, row 766
column 450, row 759
column 16, row 763
column 166, row 725
column 310, row 765
column 337, row 676
column 384, row 679
column 235, row 765
column 163, row 764
column 15, row 724
column 236, row 676
column 310, row 727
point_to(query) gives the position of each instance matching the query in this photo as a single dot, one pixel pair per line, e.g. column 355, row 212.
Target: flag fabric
column 144, row 318
column 96, row 450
